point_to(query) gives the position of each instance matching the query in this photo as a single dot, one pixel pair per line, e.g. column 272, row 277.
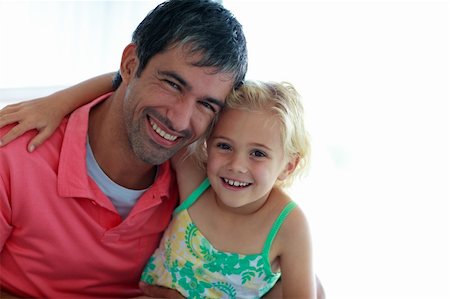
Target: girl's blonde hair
column 283, row 100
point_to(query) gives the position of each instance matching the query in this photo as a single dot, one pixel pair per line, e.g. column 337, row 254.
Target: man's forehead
column 196, row 58
column 183, row 66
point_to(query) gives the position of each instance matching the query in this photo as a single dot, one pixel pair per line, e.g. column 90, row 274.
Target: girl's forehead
column 261, row 121
column 261, row 117
column 245, row 112
column 251, row 129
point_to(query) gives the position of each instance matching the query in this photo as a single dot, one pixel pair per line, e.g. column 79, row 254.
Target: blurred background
column 374, row 76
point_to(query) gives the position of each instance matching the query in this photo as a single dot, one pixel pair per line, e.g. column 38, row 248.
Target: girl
column 236, row 231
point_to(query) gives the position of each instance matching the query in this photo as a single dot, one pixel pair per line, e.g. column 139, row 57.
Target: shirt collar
column 73, row 179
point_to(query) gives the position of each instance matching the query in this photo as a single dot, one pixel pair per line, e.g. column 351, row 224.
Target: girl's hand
column 154, row 291
column 43, row 114
column 46, row 113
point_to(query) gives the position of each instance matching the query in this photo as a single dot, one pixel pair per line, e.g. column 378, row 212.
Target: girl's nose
column 238, row 163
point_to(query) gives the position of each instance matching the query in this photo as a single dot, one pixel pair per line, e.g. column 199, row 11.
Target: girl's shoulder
column 189, row 174
column 281, row 200
column 295, row 228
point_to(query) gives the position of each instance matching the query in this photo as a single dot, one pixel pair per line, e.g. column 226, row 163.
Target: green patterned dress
column 187, row 261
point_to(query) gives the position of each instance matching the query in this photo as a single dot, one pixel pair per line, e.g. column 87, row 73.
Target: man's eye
column 172, row 84
column 208, row 106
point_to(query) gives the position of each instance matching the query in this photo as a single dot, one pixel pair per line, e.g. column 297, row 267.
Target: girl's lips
column 235, row 183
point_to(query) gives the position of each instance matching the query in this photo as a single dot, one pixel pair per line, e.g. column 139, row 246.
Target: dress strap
column 193, row 196
column 276, row 227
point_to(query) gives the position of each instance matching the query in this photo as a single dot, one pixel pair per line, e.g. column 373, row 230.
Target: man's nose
column 181, row 113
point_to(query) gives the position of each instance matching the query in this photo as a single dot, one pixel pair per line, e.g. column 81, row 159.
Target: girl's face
column 245, row 158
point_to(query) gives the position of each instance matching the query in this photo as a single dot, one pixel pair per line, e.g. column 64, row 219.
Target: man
column 81, row 215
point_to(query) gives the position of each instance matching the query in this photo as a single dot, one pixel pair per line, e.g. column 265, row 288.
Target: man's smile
column 161, row 132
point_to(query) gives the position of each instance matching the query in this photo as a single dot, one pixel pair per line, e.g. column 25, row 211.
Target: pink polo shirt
column 60, row 236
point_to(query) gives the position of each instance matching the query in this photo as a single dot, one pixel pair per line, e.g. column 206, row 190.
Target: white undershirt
column 122, row 198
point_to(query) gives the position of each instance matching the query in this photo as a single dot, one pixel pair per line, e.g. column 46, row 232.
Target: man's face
column 171, row 104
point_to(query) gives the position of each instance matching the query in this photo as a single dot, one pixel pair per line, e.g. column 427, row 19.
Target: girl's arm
column 45, row 114
column 298, row 279
column 189, row 173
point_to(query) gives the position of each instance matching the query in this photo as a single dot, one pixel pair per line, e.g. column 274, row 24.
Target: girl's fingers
column 12, row 108
column 39, row 139
column 36, row 114
column 8, row 118
column 12, row 134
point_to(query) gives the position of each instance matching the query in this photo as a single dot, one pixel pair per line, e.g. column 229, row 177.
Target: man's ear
column 289, row 168
column 129, row 63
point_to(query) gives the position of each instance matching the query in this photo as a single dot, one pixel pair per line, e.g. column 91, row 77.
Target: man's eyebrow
column 217, row 102
column 176, row 77
column 183, row 82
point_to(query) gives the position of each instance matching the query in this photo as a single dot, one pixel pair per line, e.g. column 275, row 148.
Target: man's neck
column 109, row 143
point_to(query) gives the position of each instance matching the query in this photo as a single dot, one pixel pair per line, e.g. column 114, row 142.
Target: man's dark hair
column 204, row 26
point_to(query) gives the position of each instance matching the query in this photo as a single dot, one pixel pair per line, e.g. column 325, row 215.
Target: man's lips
column 161, row 132
column 164, row 137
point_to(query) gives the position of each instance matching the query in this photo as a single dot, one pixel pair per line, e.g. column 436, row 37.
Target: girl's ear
column 289, row 168
column 129, row 62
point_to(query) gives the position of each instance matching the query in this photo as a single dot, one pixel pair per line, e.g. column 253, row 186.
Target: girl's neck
column 251, row 208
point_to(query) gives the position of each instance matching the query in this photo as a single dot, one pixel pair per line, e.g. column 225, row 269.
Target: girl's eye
column 258, row 154
column 223, row 146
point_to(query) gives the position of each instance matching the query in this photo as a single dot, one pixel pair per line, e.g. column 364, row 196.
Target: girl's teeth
column 236, row 183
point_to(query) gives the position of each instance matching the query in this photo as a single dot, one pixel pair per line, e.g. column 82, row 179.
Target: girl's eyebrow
column 261, row 145
column 219, row 137
column 185, row 84
column 254, row 144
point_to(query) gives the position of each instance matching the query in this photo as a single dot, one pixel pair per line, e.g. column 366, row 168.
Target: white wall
column 374, row 76
column 375, row 80
column 54, row 43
